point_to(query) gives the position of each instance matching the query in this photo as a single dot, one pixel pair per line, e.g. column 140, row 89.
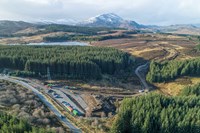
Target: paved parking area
column 62, row 97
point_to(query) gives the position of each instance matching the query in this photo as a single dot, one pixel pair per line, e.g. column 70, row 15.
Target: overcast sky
column 160, row 12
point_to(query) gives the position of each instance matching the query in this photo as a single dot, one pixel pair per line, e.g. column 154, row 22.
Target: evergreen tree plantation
column 65, row 61
column 160, row 72
column 193, row 90
column 155, row 113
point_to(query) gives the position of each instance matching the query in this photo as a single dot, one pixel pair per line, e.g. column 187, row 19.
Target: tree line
column 155, row 113
column 64, row 38
column 65, row 61
column 161, row 72
column 11, row 124
column 76, row 29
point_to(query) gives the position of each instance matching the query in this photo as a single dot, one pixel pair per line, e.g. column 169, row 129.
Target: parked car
column 61, row 116
column 141, row 91
column 65, row 103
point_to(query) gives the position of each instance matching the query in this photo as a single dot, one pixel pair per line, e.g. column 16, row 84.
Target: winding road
column 64, row 120
column 142, row 79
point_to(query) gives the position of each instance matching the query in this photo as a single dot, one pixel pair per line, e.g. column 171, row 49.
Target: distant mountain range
column 110, row 20
column 105, row 20
column 114, row 21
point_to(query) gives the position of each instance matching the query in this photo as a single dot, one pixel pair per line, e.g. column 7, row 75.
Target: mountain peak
column 110, row 16
column 110, row 20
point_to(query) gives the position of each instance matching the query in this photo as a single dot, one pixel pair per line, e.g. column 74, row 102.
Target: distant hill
column 111, row 20
column 10, row 27
column 188, row 29
column 178, row 26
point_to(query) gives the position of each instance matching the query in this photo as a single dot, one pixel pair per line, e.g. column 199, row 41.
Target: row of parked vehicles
column 70, row 108
column 66, row 104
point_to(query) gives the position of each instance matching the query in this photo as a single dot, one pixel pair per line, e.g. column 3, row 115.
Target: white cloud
column 39, row 1
column 143, row 11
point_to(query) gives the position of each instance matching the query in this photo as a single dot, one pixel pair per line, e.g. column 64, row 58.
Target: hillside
column 182, row 29
column 10, row 27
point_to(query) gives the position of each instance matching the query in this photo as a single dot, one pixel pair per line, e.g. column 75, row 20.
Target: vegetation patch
column 198, row 47
column 11, row 124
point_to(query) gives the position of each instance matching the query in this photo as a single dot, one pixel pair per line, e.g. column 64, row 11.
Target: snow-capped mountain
column 105, row 18
column 110, row 20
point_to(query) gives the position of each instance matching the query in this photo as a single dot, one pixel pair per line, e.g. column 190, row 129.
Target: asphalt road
column 46, row 102
column 142, row 79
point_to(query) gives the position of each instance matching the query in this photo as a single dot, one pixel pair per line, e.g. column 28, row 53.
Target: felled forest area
column 166, row 71
column 65, row 61
column 24, row 105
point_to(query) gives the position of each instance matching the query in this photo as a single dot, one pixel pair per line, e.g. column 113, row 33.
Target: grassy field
column 173, row 88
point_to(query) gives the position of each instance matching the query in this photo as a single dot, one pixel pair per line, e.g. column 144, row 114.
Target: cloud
column 143, row 11
column 39, row 1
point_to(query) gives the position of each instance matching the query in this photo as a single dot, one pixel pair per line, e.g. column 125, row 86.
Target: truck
column 75, row 112
column 69, row 108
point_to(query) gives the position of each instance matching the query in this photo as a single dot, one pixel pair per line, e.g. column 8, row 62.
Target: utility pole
column 48, row 73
